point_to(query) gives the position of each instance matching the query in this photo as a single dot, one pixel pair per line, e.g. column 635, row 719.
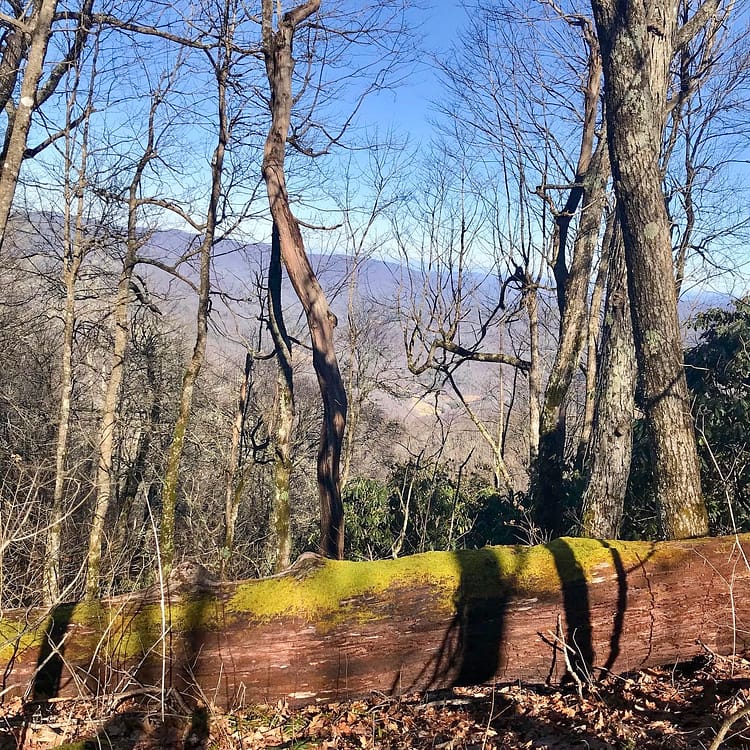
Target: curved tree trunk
column 637, row 42
column 277, row 49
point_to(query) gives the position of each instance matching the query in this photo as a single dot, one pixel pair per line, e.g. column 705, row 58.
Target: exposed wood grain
column 328, row 629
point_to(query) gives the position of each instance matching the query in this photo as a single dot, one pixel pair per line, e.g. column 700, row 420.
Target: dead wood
column 330, row 630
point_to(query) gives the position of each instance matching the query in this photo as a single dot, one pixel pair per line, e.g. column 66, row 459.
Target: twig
column 559, row 638
column 727, row 725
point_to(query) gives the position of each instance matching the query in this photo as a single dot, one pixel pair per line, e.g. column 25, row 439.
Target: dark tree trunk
column 330, row 630
column 637, row 46
column 277, row 49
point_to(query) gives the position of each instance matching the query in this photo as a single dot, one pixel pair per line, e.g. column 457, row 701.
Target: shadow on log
column 328, row 630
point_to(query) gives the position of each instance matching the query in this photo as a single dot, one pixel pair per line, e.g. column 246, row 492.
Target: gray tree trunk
column 637, row 45
column 610, row 448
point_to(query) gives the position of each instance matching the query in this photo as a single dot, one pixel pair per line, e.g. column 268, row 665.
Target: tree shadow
column 164, row 710
column 620, row 607
column 471, row 650
column 51, row 659
column 577, row 608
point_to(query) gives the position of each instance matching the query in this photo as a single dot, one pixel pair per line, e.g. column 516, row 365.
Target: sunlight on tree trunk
column 277, row 49
column 637, row 45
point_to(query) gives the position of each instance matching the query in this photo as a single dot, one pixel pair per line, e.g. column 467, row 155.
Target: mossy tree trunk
column 328, row 630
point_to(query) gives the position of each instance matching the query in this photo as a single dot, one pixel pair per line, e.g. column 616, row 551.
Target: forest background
column 461, row 324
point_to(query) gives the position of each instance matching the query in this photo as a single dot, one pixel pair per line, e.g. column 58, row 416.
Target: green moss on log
column 330, row 592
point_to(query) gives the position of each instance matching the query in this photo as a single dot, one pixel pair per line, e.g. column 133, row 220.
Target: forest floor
column 681, row 707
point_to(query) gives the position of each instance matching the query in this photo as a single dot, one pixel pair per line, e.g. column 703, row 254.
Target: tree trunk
column 172, row 473
column 15, row 145
column 637, row 48
column 233, row 492
column 110, row 409
column 277, row 49
column 73, row 254
column 531, row 303
column 548, row 474
column 592, row 338
column 53, row 548
column 280, row 546
column 330, row 630
column 610, row 449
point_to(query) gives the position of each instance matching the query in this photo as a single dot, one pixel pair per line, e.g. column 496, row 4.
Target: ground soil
column 678, row 707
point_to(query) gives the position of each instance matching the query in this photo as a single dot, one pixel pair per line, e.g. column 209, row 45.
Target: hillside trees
column 539, row 128
column 448, row 319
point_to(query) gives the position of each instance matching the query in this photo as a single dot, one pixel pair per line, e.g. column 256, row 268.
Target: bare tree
column 221, row 63
column 134, row 241
column 277, row 50
column 26, row 39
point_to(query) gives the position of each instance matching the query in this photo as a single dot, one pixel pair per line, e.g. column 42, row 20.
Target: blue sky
column 407, row 109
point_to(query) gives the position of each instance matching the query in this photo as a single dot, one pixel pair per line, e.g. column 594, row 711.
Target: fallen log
column 328, row 630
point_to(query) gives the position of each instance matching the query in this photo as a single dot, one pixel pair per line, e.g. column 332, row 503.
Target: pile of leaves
column 678, row 708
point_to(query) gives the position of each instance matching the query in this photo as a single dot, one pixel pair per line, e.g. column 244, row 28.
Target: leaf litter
column 679, row 708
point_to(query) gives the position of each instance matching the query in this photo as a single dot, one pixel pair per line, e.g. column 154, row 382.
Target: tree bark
column 280, row 546
column 609, row 453
column 13, row 152
column 637, row 44
column 329, row 630
column 277, row 49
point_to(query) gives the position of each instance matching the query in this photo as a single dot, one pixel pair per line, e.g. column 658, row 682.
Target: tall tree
column 277, row 50
column 221, row 61
column 638, row 41
column 134, row 240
